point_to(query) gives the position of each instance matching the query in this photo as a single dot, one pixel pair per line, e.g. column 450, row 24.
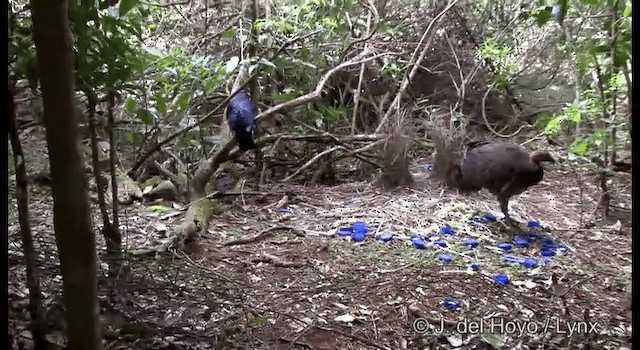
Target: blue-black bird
column 241, row 116
column 505, row 169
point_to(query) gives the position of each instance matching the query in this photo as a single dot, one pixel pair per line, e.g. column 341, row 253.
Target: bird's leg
column 509, row 223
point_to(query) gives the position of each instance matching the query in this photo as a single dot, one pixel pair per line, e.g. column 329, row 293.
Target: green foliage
column 599, row 66
column 501, row 57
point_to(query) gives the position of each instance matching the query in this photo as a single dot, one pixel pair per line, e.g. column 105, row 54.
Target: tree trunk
column 71, row 211
column 36, row 311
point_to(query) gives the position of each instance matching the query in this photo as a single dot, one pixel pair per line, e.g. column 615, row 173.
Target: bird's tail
column 245, row 139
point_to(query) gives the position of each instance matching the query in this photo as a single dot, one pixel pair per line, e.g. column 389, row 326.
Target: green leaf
column 627, row 10
column 229, row 33
column 126, row 6
column 145, row 116
column 579, row 147
column 232, row 64
column 133, row 137
column 543, row 16
column 158, row 208
column 183, row 100
column 161, row 104
column 129, row 105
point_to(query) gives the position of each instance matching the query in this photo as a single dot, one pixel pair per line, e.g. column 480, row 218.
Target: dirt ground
column 270, row 272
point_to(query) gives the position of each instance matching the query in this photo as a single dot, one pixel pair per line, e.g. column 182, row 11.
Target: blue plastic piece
column 345, row 231
column 474, row 266
column 471, row 242
column 444, row 258
column 477, row 219
column 489, row 217
column 533, row 224
column 419, row 242
column 386, row 237
column 440, row 242
column 532, row 235
column 510, row 258
column 359, row 227
column 501, row 278
column 563, row 248
column 285, row 210
column 451, row 303
column 447, row 230
column 520, row 241
column 359, row 236
column 548, row 242
column 416, row 235
column 505, row 246
column 529, row 262
column 548, row 251
column 428, row 167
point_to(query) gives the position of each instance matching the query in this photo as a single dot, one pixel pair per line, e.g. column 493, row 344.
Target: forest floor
column 253, row 281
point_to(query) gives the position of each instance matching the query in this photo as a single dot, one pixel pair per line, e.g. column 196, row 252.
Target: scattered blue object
column 444, row 257
column 505, row 246
column 428, row 167
column 501, row 278
column 548, row 242
column 440, row 242
column 451, row 303
column 563, row 248
column 359, row 227
column 548, row 251
column 416, row 235
column 471, row 242
column 359, row 236
column 285, row 210
column 345, row 231
column 529, row 262
column 533, row 224
column 520, row 241
column 474, row 266
column 546, row 259
column 510, row 258
column 386, row 237
column 418, row 241
column 477, row 219
column 532, row 235
column 447, row 230
column 489, row 217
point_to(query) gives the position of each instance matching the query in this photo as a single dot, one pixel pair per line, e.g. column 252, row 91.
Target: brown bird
column 504, row 169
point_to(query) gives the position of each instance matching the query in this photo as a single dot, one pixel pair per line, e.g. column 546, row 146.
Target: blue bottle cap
column 501, row 278
column 520, row 241
column 489, row 217
column 359, row 226
column 447, row 230
column 419, row 243
column 386, row 237
column 451, row 303
column 444, row 257
column 474, row 265
column 510, row 258
column 440, row 242
column 358, row 236
column 548, row 251
column 533, row 223
column 471, row 242
column 416, row 235
column 345, row 231
column 505, row 246
column 529, row 262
